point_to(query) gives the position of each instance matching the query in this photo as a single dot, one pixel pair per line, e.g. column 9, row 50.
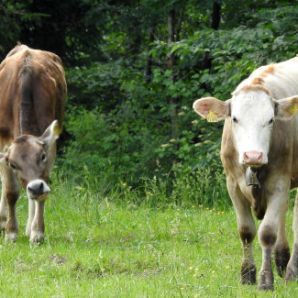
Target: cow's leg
column 268, row 233
column 292, row 268
column 9, row 197
column 3, row 209
column 247, row 232
column 281, row 250
column 37, row 226
column 31, row 213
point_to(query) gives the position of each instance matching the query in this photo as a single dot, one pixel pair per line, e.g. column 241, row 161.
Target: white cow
column 259, row 152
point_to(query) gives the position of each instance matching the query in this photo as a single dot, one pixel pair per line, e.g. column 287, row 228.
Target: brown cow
column 259, row 152
column 32, row 98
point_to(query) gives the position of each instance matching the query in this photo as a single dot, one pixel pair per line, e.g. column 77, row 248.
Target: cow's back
column 279, row 78
column 32, row 92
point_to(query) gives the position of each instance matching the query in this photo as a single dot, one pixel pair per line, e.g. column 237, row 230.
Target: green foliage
column 134, row 69
column 124, row 132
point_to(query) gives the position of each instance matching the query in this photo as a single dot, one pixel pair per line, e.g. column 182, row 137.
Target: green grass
column 95, row 248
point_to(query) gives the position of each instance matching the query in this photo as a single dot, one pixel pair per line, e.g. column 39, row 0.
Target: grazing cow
column 259, row 152
column 32, row 96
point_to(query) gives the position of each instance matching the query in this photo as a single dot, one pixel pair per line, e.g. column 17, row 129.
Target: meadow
column 98, row 247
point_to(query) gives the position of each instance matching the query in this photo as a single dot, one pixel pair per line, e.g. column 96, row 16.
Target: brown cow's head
column 31, row 158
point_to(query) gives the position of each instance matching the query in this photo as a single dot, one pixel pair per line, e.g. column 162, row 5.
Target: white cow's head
column 252, row 113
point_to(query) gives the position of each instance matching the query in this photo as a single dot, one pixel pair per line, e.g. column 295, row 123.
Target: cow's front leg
column 3, row 209
column 37, row 225
column 292, row 268
column 281, row 250
column 268, row 233
column 31, row 213
column 9, row 197
column 247, row 232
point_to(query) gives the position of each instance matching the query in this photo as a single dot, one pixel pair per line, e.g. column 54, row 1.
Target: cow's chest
column 253, row 185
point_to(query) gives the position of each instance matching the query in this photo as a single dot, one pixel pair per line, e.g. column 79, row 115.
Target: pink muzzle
column 253, row 158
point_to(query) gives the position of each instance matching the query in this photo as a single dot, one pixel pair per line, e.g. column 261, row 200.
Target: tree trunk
column 172, row 37
column 216, row 14
column 148, row 70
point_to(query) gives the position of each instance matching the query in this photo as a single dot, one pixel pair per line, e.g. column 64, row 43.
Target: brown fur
column 257, row 81
column 269, row 70
column 32, row 83
column 32, row 95
column 256, row 86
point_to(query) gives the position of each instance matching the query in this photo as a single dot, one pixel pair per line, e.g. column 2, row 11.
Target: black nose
column 36, row 188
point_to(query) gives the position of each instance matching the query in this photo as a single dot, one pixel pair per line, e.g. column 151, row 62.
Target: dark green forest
column 134, row 69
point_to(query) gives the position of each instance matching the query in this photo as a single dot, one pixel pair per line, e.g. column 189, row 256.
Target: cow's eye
column 12, row 165
column 270, row 121
column 43, row 157
column 235, row 120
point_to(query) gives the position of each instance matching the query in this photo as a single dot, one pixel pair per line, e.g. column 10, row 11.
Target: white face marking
column 252, row 114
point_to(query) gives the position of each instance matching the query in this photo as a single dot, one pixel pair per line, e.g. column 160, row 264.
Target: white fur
column 37, row 232
column 11, row 237
column 36, row 236
column 31, row 213
column 252, row 131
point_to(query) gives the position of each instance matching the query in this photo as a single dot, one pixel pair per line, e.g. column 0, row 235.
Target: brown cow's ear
column 52, row 133
column 3, row 158
column 286, row 108
column 212, row 109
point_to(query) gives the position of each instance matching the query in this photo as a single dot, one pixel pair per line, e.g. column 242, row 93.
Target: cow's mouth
column 37, row 189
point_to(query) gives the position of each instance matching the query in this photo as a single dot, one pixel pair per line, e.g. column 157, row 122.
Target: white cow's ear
column 286, row 108
column 212, row 109
column 52, row 133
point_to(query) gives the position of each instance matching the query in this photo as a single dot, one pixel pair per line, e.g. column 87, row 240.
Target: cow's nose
column 37, row 188
column 253, row 157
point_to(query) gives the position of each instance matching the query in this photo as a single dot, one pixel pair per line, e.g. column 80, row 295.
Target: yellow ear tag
column 294, row 109
column 57, row 130
column 211, row 117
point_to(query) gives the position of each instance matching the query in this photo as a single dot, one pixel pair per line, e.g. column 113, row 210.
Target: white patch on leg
column 11, row 237
column 36, row 237
column 31, row 214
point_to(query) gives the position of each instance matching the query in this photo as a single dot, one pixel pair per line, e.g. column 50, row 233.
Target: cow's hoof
column 36, row 237
column 282, row 256
column 2, row 225
column 266, row 281
column 11, row 237
column 248, row 274
column 291, row 274
column 263, row 287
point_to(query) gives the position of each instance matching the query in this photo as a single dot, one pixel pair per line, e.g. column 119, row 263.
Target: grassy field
column 101, row 249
